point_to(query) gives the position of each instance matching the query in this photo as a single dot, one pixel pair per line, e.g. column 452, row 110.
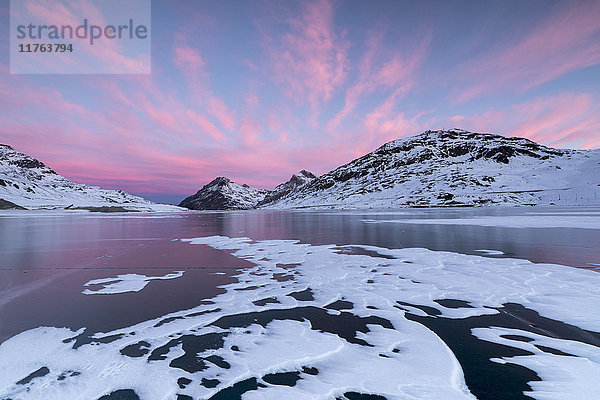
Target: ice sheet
column 515, row 221
column 339, row 316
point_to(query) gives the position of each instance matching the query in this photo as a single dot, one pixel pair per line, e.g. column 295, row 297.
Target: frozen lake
column 419, row 303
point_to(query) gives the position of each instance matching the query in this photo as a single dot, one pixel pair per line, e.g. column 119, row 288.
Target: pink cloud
column 251, row 130
column 221, row 112
column 139, row 95
column 310, row 59
column 69, row 137
column 565, row 42
column 161, row 116
column 55, row 12
column 192, row 66
column 251, row 100
column 205, row 125
column 188, row 59
column 385, row 124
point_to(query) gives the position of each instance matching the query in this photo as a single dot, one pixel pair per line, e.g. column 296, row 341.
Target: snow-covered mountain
column 455, row 168
column 27, row 183
column 224, row 194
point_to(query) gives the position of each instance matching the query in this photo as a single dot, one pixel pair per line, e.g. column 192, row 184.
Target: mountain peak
column 224, row 194
column 300, row 178
column 219, row 181
column 306, row 173
column 28, row 165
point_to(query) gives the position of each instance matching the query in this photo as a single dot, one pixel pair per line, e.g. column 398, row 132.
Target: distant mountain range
column 433, row 169
column 26, row 183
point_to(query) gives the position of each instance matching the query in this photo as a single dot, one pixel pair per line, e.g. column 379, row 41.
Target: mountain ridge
column 436, row 168
column 446, row 168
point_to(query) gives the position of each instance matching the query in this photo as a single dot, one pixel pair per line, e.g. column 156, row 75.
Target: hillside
column 28, row 183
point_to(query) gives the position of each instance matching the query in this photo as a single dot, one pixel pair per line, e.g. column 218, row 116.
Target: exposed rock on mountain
column 28, row 183
column 7, row 205
column 224, row 194
column 455, row 168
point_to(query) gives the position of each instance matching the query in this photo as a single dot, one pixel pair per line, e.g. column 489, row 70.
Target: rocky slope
column 455, row 168
column 28, row 183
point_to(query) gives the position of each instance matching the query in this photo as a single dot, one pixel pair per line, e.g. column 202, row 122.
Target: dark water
column 46, row 258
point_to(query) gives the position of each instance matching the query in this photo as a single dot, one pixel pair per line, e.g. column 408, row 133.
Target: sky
column 258, row 90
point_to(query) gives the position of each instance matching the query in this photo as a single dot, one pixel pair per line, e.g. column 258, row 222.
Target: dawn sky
column 258, row 90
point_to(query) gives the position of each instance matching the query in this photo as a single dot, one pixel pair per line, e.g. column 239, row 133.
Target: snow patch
column 126, row 283
column 560, row 363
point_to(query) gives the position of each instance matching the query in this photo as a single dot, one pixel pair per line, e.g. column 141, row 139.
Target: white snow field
column 336, row 327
